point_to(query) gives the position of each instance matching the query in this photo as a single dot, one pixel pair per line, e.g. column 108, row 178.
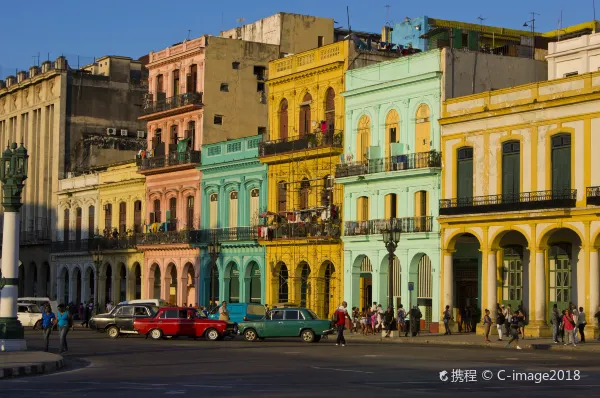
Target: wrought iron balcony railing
column 375, row 227
column 409, row 161
column 99, row 243
column 326, row 230
column 172, row 159
column 164, row 238
column 165, row 104
column 592, row 196
column 514, row 202
column 330, row 138
column 223, row 234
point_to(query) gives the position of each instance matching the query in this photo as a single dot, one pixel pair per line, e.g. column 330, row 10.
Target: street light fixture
column 13, row 173
column 391, row 237
column 527, row 24
column 214, row 250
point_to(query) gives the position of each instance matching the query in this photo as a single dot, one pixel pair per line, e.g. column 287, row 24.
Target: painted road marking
column 341, row 370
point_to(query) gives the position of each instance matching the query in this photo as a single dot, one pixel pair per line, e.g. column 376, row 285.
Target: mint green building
column 234, row 192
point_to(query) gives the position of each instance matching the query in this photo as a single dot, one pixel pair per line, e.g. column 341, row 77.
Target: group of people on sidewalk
column 63, row 320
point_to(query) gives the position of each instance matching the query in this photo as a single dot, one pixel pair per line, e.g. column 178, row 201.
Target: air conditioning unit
column 111, row 131
column 141, row 134
column 124, row 132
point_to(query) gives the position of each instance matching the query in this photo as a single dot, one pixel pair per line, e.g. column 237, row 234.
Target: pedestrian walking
column 388, row 321
column 487, row 323
column 514, row 330
column 522, row 321
column 507, row 311
column 555, row 323
column 86, row 315
column 64, row 321
column 581, row 322
column 340, row 322
column 569, row 326
column 223, row 312
column 401, row 319
column 500, row 319
column 48, row 322
column 447, row 317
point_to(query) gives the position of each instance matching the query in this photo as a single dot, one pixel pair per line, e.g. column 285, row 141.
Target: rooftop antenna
column 594, row 8
column 240, row 20
column 481, row 19
column 387, row 14
column 189, row 33
column 348, row 16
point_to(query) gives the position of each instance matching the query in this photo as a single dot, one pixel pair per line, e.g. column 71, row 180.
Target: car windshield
column 311, row 314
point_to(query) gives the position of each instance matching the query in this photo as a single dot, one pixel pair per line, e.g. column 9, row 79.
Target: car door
column 293, row 323
column 274, row 324
column 186, row 323
column 23, row 315
column 140, row 312
column 169, row 322
column 124, row 318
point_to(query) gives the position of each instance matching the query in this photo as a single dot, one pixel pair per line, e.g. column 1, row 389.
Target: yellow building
column 121, row 193
column 520, row 188
column 306, row 122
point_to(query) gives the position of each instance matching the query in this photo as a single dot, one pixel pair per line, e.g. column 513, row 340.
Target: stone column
column 594, row 285
column 540, row 286
column 448, row 298
column 492, row 282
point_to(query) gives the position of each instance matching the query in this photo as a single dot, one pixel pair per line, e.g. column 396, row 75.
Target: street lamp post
column 391, row 237
column 13, row 173
column 214, row 250
column 526, row 24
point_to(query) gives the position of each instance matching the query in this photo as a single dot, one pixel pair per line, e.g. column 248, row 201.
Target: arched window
column 330, row 109
column 122, row 218
column 362, row 208
column 66, row 222
column 283, row 119
column 561, row 163
column 214, row 210
column 421, row 211
column 108, row 218
column 283, row 289
column 391, row 206
column 91, row 221
column 363, row 138
column 392, row 133
column 305, row 117
column 233, row 209
column 254, row 205
column 282, row 196
column 511, row 171
column 78, row 214
column 304, row 193
column 189, row 212
column 464, row 180
column 422, row 129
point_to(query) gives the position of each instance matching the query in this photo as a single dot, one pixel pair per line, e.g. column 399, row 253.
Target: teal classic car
column 287, row 322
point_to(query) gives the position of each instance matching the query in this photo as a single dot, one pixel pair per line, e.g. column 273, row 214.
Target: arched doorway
column 283, row 288
column 303, row 288
column 77, row 286
column 122, row 282
column 421, row 295
column 366, row 283
column 234, row 283
column 156, row 283
column 190, row 284
column 137, row 272
column 514, row 268
column 172, row 275
column 326, row 290
column 254, row 294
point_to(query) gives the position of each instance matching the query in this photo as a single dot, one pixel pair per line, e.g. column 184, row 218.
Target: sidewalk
column 470, row 339
column 25, row 363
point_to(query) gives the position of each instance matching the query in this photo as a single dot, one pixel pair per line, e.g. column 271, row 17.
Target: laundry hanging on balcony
column 182, row 147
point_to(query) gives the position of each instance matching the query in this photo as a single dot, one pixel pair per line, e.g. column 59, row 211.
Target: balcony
column 181, row 102
column 326, row 230
column 593, row 196
column 172, row 159
column 163, row 238
column 332, row 138
column 508, row 203
column 410, row 161
column 94, row 244
column 204, row 236
column 375, row 227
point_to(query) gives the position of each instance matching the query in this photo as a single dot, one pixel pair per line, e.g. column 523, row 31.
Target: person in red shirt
column 341, row 316
column 569, row 324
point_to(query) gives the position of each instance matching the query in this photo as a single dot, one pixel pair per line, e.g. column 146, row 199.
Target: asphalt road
column 131, row 367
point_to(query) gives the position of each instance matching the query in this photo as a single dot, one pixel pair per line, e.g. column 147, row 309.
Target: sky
column 133, row 28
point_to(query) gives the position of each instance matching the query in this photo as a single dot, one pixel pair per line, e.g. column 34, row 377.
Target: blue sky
column 134, row 28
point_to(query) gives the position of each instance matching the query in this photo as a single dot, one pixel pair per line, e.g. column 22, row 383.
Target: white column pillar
column 594, row 282
column 492, row 282
column 9, row 294
column 448, row 281
column 540, row 286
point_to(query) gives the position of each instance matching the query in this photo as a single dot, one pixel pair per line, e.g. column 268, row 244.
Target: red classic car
column 183, row 321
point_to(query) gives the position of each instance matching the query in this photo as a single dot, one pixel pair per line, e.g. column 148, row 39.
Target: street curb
column 32, row 369
column 531, row 346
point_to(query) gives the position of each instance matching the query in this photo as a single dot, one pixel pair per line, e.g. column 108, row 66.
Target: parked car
column 40, row 301
column 29, row 314
column 183, row 321
column 121, row 318
column 155, row 302
column 241, row 312
column 287, row 322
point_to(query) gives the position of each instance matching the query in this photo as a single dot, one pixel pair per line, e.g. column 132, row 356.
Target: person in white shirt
column 581, row 322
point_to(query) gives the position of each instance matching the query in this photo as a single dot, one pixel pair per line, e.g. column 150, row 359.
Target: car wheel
column 37, row 325
column 308, row 336
column 250, row 335
column 317, row 339
column 112, row 332
column 212, row 334
column 156, row 334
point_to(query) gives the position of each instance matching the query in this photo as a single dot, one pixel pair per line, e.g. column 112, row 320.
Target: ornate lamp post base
column 12, row 336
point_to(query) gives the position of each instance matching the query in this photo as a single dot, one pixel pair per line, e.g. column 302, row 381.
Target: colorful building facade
column 234, row 190
column 519, row 199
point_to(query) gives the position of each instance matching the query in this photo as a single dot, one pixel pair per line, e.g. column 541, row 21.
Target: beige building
column 69, row 120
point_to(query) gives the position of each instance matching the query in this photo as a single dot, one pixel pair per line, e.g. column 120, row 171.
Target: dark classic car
column 183, row 321
column 120, row 319
column 287, row 322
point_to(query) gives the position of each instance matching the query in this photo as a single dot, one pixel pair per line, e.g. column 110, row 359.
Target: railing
column 33, row 236
column 223, row 234
column 177, row 101
column 172, row 159
column 88, row 245
column 394, row 163
column 302, row 230
column 332, row 138
column 375, row 227
column 164, row 238
column 592, row 196
column 513, row 202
